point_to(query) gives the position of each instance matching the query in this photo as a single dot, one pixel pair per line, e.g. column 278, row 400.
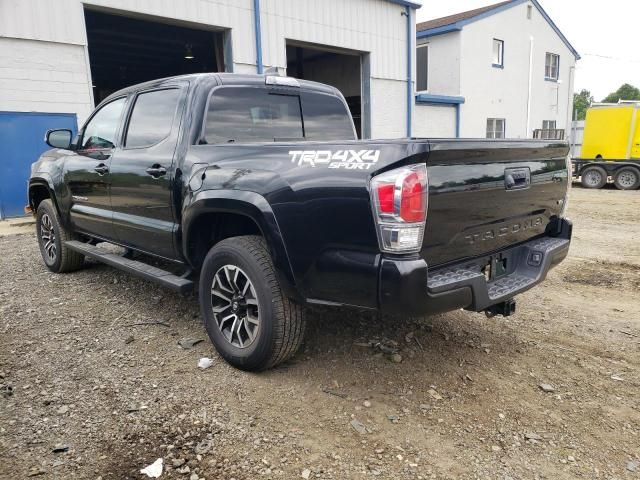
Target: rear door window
column 244, row 114
column 326, row 118
column 152, row 117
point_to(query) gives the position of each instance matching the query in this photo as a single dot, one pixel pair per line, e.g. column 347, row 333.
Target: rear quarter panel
column 324, row 214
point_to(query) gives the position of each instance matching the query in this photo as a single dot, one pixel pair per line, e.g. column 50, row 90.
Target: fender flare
column 45, row 181
column 253, row 206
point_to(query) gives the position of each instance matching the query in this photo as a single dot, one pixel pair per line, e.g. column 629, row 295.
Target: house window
column 549, row 131
column 529, row 11
column 422, row 60
column 498, row 53
column 551, row 66
column 495, row 127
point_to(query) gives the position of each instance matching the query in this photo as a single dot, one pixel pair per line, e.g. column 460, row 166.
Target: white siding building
column 47, row 59
column 58, row 59
column 501, row 71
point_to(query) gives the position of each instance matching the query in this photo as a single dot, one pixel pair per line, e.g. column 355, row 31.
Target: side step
column 134, row 267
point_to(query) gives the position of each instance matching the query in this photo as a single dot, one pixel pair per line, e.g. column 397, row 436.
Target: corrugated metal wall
column 374, row 26
column 377, row 27
column 63, row 20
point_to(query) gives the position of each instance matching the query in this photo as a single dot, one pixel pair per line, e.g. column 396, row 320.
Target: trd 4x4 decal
column 348, row 159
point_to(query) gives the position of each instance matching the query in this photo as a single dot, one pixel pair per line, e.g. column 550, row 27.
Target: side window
column 498, row 53
column 326, row 118
column 495, row 128
column 100, row 132
column 422, row 62
column 551, row 66
column 245, row 114
column 152, row 117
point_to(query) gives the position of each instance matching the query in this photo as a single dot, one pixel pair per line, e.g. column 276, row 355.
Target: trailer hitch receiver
column 506, row 308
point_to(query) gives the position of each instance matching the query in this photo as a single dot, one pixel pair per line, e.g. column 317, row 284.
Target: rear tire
column 593, row 177
column 627, row 178
column 52, row 236
column 252, row 324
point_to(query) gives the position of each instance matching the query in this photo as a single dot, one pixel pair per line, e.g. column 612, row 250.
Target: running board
column 134, row 267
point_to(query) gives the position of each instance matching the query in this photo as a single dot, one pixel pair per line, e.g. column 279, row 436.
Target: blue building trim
column 454, row 27
column 446, row 100
column 258, row 32
column 457, row 26
column 408, row 11
column 442, row 99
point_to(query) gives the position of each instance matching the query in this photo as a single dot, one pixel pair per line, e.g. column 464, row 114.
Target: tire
column 627, row 178
column 593, row 177
column 51, row 237
column 268, row 328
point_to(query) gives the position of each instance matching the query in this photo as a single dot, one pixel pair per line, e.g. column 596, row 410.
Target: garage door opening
column 339, row 69
column 124, row 51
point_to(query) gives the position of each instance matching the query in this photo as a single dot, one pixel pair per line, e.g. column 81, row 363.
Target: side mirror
column 60, row 138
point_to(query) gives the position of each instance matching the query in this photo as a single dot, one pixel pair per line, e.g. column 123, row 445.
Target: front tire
column 252, row 324
column 52, row 236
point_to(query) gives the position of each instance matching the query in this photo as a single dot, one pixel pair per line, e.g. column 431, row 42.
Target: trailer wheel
column 593, row 177
column 627, row 178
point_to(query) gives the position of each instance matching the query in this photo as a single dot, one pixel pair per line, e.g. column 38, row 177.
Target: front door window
column 100, row 132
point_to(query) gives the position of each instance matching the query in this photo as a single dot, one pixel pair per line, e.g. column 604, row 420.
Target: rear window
column 326, row 118
column 244, row 114
column 252, row 115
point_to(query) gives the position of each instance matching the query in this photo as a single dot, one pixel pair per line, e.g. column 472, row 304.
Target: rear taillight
column 399, row 199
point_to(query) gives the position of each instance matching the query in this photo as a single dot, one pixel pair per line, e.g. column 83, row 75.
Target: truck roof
column 224, row 79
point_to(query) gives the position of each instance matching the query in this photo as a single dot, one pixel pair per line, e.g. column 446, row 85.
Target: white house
column 501, row 71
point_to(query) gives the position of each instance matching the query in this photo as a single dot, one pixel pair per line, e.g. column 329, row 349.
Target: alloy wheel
column 48, row 237
column 235, row 306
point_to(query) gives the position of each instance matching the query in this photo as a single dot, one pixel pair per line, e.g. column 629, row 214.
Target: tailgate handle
column 517, row 178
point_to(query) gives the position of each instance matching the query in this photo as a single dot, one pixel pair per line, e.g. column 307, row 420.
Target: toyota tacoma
column 254, row 191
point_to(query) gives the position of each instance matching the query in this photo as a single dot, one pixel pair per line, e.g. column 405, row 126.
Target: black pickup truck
column 255, row 188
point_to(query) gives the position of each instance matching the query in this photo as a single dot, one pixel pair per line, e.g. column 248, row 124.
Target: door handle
column 101, row 169
column 157, row 171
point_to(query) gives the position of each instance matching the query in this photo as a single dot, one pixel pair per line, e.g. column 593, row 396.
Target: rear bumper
column 409, row 286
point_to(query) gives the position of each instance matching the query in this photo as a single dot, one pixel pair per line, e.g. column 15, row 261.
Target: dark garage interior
column 341, row 70
column 124, row 51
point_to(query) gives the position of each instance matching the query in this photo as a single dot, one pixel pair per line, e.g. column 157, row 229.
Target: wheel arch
column 40, row 189
column 225, row 214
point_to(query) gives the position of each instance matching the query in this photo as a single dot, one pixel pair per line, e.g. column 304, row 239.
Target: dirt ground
column 93, row 383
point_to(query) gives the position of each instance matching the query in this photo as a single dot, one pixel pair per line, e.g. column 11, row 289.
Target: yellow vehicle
column 611, row 146
column 612, row 131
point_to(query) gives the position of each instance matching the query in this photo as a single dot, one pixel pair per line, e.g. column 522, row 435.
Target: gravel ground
column 93, row 382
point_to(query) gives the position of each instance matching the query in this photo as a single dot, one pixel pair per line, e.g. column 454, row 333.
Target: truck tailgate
column 487, row 195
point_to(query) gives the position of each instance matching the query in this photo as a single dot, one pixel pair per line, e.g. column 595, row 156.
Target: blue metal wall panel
column 21, row 143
